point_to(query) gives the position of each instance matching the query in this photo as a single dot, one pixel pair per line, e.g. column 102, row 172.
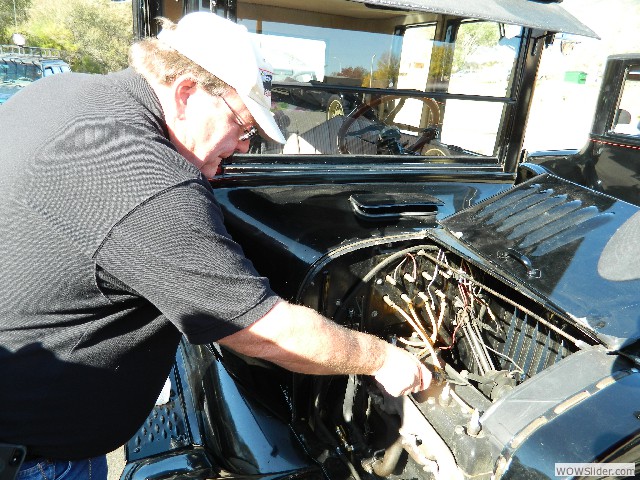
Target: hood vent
column 538, row 220
column 549, row 238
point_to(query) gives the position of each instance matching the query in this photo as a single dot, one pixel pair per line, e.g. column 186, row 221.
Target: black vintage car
column 407, row 218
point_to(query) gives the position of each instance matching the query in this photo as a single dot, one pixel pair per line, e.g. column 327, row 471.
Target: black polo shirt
column 111, row 247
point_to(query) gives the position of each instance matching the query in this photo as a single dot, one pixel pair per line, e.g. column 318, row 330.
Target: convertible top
column 544, row 15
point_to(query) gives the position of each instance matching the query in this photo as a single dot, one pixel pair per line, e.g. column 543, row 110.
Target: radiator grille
column 532, row 346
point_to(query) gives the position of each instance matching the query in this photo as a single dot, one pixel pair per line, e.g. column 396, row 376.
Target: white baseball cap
column 227, row 50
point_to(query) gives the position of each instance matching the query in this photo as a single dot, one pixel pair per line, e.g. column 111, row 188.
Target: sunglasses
column 249, row 132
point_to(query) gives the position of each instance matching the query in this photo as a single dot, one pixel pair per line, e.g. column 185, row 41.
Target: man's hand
column 301, row 340
column 402, row 373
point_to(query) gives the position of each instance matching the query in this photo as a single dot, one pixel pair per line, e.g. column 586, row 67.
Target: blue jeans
column 43, row 469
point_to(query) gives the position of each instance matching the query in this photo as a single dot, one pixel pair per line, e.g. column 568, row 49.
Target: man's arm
column 299, row 339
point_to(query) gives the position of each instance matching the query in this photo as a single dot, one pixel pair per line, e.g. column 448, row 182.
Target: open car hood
column 544, row 15
column 571, row 248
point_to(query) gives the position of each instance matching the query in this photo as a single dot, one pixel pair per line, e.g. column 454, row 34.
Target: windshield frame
column 328, row 84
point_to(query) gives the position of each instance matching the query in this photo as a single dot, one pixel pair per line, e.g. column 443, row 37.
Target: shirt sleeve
column 174, row 251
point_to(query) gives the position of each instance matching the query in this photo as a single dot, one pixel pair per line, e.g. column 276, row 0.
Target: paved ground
column 115, row 460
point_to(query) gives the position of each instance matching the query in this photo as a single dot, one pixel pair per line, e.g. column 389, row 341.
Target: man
column 112, row 247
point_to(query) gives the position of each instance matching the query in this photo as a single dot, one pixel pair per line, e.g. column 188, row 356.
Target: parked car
column 331, row 102
column 20, row 66
column 407, row 218
column 609, row 162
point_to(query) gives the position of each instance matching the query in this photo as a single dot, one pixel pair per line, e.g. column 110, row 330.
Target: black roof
column 542, row 14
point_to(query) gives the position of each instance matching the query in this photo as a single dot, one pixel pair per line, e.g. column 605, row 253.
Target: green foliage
column 352, row 72
column 472, row 36
column 95, row 34
column 9, row 16
column 103, row 32
column 385, row 73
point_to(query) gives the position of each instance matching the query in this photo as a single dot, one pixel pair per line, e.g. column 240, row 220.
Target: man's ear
column 183, row 88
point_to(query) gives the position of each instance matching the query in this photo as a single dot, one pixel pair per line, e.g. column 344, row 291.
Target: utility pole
column 370, row 72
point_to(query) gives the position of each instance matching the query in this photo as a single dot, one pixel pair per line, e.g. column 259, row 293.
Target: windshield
column 380, row 82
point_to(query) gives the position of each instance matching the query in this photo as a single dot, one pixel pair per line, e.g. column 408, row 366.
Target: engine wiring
column 426, row 343
column 506, row 357
column 444, row 304
column 578, row 343
column 441, row 308
column 449, row 318
column 434, row 302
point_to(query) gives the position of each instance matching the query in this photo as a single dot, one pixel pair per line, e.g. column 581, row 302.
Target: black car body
column 407, row 219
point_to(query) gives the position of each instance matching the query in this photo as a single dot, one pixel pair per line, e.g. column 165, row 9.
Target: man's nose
column 243, row 146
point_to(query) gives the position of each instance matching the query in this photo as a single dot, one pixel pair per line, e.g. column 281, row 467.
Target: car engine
column 480, row 339
column 504, row 363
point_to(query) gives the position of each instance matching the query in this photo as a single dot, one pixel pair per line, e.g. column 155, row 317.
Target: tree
column 95, row 34
column 386, row 72
column 103, row 32
column 352, row 72
column 471, row 37
column 12, row 12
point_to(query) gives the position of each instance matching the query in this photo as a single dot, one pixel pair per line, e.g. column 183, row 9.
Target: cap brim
column 264, row 119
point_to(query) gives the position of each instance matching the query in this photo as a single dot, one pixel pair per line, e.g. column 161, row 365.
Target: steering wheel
column 426, row 135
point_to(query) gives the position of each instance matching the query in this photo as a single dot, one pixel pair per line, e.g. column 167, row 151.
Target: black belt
column 11, row 457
